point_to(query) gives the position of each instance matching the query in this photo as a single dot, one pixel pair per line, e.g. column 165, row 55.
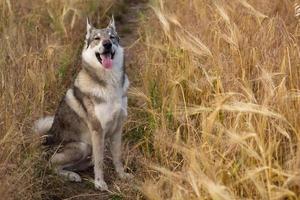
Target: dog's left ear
column 112, row 23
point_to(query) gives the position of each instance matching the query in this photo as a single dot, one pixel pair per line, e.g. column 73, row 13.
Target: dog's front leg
column 97, row 136
column 98, row 153
column 115, row 148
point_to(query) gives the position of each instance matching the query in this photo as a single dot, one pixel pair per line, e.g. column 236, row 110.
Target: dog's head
column 101, row 45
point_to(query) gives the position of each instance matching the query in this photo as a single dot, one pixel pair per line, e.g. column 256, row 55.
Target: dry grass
column 214, row 102
column 219, row 102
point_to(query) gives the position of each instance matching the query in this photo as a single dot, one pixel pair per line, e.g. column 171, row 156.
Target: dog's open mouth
column 105, row 59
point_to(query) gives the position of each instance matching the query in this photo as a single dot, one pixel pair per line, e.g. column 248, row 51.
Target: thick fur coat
column 93, row 109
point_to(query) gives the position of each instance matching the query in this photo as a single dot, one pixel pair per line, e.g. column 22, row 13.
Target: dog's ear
column 89, row 27
column 112, row 23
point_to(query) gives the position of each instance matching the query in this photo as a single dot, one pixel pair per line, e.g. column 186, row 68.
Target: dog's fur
column 93, row 109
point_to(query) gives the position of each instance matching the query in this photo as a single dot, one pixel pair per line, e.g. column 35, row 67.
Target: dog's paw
column 101, row 185
column 74, row 177
column 125, row 175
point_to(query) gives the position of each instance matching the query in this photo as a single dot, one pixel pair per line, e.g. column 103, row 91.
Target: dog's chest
column 108, row 112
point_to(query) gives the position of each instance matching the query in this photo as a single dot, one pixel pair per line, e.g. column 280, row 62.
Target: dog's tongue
column 106, row 61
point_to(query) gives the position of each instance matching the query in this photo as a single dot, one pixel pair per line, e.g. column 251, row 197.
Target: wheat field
column 214, row 101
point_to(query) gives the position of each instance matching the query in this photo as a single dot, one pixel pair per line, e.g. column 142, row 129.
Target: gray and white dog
column 93, row 109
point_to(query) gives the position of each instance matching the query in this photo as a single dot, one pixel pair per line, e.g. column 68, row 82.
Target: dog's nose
column 107, row 44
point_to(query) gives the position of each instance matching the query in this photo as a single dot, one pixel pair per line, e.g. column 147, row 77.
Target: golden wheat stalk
column 297, row 10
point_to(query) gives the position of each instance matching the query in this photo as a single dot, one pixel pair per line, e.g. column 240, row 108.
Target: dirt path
column 127, row 27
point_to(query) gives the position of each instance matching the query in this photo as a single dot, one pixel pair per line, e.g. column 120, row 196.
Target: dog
column 92, row 110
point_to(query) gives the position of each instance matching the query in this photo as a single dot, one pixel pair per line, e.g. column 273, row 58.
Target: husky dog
column 93, row 109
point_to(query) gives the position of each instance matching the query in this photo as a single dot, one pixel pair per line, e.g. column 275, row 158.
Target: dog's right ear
column 89, row 27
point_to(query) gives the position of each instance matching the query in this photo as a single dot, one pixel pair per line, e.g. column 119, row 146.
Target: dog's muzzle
column 105, row 58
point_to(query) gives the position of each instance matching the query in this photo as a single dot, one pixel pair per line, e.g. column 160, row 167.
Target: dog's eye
column 97, row 38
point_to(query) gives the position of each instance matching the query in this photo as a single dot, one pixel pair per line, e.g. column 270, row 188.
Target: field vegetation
column 214, row 101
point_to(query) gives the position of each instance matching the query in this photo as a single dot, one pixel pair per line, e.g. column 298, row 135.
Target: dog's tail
column 43, row 125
